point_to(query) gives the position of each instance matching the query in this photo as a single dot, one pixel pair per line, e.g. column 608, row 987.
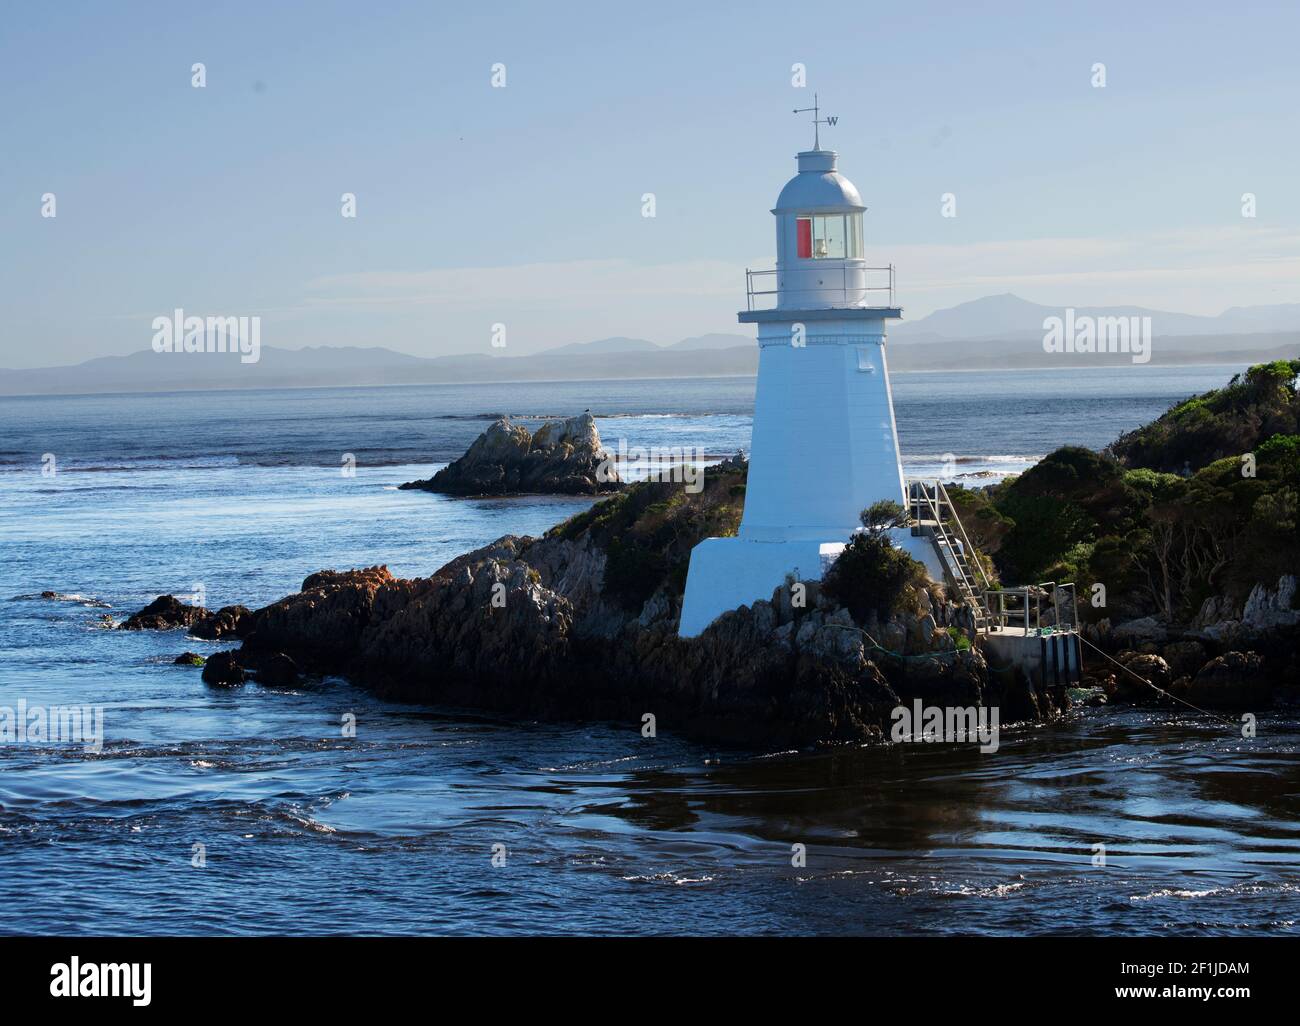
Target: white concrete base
column 727, row 573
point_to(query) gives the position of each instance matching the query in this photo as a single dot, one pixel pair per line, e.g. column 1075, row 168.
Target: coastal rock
column 1147, row 666
column 1100, row 633
column 1184, row 657
column 166, row 612
column 492, row 633
column 574, row 569
column 1234, row 680
column 327, row 618
column 526, row 627
column 1147, row 628
column 1267, row 608
column 275, row 670
column 188, row 659
column 893, row 637
column 1215, row 609
column 224, row 669
column 228, row 621
column 926, row 628
column 1218, row 620
column 562, row 457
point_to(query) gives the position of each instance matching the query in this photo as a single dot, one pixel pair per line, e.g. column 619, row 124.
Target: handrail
column 919, row 493
column 844, row 290
column 1022, row 593
column 966, row 541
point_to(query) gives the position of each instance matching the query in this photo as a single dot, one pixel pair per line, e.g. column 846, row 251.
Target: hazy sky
column 523, row 205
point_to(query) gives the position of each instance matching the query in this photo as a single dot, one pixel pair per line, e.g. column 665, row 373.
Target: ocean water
column 249, row 811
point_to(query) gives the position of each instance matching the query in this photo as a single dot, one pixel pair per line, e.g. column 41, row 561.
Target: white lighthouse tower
column 824, row 444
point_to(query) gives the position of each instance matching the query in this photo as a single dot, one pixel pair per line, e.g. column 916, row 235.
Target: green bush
column 871, row 577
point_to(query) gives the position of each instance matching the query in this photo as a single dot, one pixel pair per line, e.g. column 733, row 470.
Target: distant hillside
column 1008, row 316
column 618, row 344
column 713, row 342
column 322, row 367
column 997, row 332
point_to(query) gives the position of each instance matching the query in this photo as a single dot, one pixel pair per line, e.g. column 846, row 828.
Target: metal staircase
column 933, row 515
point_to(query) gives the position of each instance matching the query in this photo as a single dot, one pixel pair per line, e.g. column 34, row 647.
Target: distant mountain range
column 996, row 332
column 1007, row 317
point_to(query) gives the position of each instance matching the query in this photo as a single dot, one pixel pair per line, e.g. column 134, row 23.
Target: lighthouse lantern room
column 824, row 443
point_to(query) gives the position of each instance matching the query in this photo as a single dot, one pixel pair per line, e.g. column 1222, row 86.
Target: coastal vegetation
column 873, row 578
column 1199, row 503
column 648, row 530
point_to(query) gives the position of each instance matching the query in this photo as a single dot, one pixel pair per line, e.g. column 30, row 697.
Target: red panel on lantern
column 804, row 226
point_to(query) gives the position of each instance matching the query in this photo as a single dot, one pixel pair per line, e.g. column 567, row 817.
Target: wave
column 952, row 458
column 597, row 414
column 58, row 596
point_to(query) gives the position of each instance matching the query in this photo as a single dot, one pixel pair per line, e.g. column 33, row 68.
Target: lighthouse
column 824, row 443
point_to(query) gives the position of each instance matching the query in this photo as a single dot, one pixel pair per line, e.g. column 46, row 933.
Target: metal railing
column 932, row 510
column 841, row 296
column 1030, row 598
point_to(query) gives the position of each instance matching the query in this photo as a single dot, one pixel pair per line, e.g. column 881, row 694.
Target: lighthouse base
column 727, row 573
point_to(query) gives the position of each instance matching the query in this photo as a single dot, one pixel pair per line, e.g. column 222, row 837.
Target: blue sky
column 522, row 205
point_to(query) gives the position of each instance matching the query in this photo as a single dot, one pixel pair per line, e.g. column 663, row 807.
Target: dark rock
column 1148, row 667
column 1184, row 657
column 224, row 669
column 228, row 621
column 561, row 458
column 1235, row 680
column 275, row 670
column 1145, row 630
column 166, row 612
column 189, row 659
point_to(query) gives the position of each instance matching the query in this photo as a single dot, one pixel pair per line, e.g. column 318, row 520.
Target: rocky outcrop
column 1147, row 628
column 274, row 669
column 226, row 622
column 1148, row 667
column 166, row 612
column 563, row 457
column 1237, row 669
column 224, row 669
column 522, row 626
column 1267, row 608
column 582, row 624
column 1235, row 680
column 1184, row 657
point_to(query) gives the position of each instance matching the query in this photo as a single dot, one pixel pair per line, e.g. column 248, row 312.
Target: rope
column 1135, row 674
column 1000, row 669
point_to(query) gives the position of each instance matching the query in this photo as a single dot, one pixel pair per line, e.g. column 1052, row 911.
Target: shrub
column 883, row 516
column 871, row 578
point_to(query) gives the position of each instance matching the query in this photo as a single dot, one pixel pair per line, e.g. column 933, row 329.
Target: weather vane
column 817, row 122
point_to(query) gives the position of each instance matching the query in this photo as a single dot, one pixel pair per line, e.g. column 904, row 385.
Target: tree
column 882, row 516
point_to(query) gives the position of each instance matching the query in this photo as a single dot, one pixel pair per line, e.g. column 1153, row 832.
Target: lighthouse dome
column 818, row 186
